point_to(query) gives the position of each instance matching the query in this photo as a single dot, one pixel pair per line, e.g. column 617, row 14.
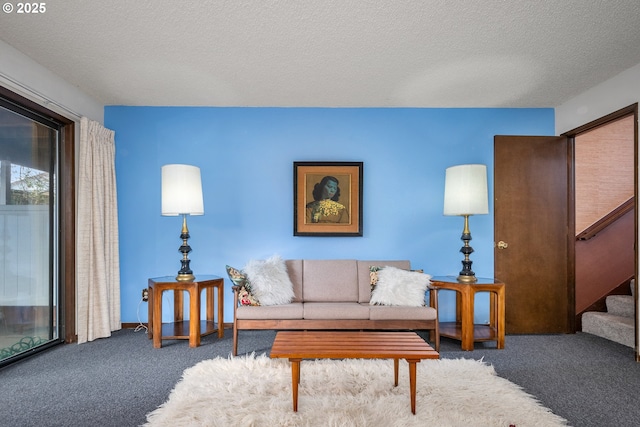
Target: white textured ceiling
column 331, row 53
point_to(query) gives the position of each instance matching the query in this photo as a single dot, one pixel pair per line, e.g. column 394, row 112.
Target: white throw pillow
column 400, row 287
column 270, row 281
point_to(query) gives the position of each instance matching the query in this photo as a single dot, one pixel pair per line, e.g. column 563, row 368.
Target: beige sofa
column 335, row 294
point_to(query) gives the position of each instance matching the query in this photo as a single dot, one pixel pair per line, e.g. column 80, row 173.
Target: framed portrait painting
column 327, row 198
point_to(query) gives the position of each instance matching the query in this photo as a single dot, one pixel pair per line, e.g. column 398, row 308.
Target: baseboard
column 132, row 325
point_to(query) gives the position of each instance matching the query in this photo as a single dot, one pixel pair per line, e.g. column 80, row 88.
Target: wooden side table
column 463, row 328
column 192, row 329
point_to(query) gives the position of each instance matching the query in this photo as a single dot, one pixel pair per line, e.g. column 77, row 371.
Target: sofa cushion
column 294, row 268
column 270, row 312
column 270, row 281
column 400, row 287
column 335, row 310
column 364, row 277
column 330, row 281
column 387, row 312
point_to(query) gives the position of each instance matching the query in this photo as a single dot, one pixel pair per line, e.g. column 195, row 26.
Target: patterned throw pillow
column 245, row 294
column 373, row 275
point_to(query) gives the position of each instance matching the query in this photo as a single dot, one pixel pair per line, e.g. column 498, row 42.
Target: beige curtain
column 98, row 263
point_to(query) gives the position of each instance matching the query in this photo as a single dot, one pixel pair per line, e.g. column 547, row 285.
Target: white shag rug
column 256, row 391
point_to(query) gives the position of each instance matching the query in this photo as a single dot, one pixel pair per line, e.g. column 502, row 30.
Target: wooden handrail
column 606, row 220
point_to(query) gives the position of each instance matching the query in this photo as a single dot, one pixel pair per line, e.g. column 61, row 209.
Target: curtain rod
column 47, row 101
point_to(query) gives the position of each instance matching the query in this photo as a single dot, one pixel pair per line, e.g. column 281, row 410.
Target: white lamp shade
column 181, row 190
column 465, row 190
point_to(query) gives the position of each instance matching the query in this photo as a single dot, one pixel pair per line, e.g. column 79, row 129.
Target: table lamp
column 465, row 194
column 182, row 195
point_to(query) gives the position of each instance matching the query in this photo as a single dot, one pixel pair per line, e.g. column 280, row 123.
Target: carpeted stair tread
column 606, row 325
column 620, row 305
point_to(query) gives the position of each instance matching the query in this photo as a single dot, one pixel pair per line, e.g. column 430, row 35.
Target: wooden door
column 533, row 232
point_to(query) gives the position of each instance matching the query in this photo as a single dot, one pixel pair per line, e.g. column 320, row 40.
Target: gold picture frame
column 327, row 199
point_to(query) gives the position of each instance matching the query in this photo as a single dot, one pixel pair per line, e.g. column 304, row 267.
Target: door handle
column 502, row 245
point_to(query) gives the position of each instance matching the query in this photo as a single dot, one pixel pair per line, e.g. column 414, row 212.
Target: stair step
column 606, row 325
column 620, row 305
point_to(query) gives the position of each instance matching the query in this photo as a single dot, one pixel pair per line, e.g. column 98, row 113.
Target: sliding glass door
column 29, row 224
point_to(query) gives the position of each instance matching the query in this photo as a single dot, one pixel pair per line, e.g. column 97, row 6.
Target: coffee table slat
column 376, row 345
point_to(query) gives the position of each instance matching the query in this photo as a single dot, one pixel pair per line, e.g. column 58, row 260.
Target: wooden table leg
column 220, row 311
column 209, row 303
column 150, row 291
column 412, row 384
column 459, row 297
column 157, row 320
column 493, row 319
column 500, row 315
column 467, row 318
column 178, row 305
column 395, row 372
column 295, row 380
column 194, row 317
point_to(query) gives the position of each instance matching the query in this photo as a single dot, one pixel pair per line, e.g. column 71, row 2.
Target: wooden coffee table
column 298, row 345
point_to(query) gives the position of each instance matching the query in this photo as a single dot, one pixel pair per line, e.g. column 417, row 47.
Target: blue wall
column 246, row 158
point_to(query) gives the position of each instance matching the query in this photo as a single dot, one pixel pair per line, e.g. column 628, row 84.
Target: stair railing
column 606, row 220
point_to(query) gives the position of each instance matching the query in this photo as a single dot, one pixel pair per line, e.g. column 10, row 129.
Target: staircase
column 617, row 323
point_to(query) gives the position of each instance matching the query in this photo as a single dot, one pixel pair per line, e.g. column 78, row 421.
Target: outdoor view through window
column 28, row 285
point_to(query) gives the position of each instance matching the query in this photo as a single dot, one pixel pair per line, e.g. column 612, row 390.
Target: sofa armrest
column 433, row 298
column 434, row 335
column 236, row 290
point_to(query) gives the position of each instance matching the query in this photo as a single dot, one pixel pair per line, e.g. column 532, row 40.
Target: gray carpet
column 117, row 381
